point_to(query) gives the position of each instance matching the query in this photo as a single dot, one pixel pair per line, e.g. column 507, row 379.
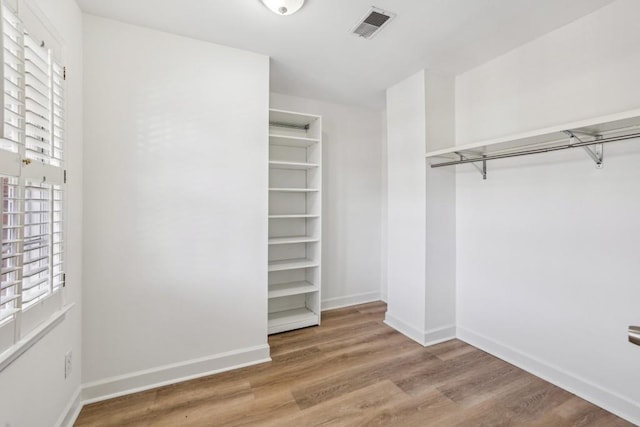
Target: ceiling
column 314, row 55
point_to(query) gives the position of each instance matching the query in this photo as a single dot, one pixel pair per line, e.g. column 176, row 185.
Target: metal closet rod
column 537, row 150
column 289, row 125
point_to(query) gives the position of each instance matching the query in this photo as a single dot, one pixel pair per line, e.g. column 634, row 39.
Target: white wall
column 406, row 211
column 352, row 224
column 440, row 201
column 421, row 209
column 577, row 72
column 176, row 163
column 384, row 209
column 547, row 247
column 38, row 375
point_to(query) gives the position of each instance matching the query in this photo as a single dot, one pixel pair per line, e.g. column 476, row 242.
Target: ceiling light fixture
column 284, row 7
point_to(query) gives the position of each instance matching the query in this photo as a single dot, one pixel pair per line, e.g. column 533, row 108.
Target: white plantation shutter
column 36, row 273
column 11, row 238
column 38, row 101
column 32, row 139
column 57, row 240
column 42, row 261
column 13, row 81
column 58, row 114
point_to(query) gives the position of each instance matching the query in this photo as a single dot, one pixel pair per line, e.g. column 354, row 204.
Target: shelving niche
column 295, row 207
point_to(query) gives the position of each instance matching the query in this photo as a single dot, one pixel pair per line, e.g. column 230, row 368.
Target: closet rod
column 289, row 125
column 536, row 151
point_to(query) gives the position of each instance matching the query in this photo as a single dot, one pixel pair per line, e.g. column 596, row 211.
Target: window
column 31, row 174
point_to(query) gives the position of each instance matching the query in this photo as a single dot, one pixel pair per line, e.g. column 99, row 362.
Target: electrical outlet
column 67, row 364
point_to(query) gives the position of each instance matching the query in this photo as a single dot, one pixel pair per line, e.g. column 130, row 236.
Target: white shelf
column 294, row 190
column 292, row 264
column 291, row 319
column 292, row 141
column 610, row 125
column 291, row 117
column 293, row 288
column 292, row 165
column 291, row 216
column 292, row 239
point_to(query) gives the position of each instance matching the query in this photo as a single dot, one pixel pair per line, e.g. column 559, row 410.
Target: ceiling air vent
column 372, row 23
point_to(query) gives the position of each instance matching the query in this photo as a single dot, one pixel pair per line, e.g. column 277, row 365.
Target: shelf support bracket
column 596, row 153
column 482, row 170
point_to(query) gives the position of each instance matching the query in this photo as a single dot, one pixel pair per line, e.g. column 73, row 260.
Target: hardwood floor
column 355, row 371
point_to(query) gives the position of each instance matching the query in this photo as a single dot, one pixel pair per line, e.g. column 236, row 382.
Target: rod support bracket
column 482, row 170
column 596, row 153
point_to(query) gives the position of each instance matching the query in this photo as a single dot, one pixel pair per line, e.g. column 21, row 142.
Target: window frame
column 29, row 323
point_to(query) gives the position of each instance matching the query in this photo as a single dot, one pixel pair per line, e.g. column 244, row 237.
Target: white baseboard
column 71, row 412
column 581, row 387
column 174, row 373
column 422, row 337
column 438, row 335
column 339, row 302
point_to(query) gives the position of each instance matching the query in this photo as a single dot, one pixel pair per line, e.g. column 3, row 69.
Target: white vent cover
column 372, row 23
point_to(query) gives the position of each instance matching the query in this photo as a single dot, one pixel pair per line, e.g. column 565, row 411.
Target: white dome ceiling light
column 284, row 7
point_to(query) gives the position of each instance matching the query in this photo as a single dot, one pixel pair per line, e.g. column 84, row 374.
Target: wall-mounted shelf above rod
column 590, row 135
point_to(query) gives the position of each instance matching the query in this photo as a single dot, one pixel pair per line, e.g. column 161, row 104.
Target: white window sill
column 16, row 350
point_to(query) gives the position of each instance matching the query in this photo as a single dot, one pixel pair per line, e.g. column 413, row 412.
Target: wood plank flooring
column 355, row 371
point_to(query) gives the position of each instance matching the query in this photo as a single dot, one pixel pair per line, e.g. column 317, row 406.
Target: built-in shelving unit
column 295, row 207
column 588, row 134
